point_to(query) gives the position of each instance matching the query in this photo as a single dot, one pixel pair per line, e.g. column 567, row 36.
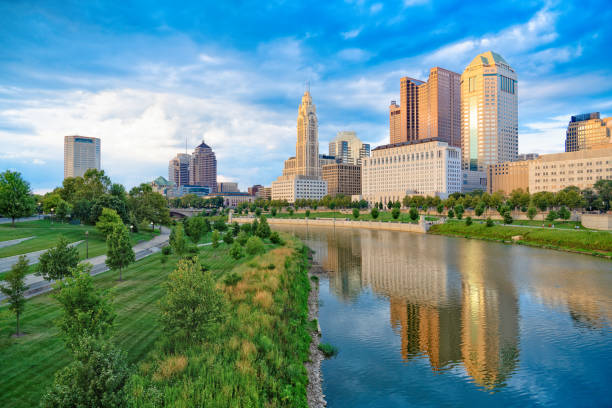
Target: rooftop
column 411, row 142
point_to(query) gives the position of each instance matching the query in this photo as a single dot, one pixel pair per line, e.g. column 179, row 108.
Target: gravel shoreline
column 314, row 390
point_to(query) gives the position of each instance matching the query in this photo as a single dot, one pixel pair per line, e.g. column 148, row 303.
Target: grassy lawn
column 46, row 235
column 28, row 364
column 592, row 242
column 383, row 216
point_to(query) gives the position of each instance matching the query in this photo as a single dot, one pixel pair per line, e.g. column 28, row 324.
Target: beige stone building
column 554, row 172
column 227, row 187
column 586, row 131
column 489, row 112
column 342, row 179
column 265, row 193
column 298, row 187
column 395, row 125
column 508, row 176
column 81, row 153
column 422, row 167
column 203, row 167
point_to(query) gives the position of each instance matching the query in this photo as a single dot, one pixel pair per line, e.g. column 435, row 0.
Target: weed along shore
column 316, row 399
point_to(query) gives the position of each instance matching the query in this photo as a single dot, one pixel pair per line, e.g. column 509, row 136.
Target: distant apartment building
column 489, row 112
column 342, row 179
column 178, row 169
column 527, row 156
column 264, row 193
column 508, row 176
column 588, row 130
column 583, row 168
column 424, row 167
column 203, row 167
column 347, row 148
column 298, row 187
column 232, row 199
column 81, row 153
column 325, row 159
column 227, row 187
column 428, row 109
column 254, row 189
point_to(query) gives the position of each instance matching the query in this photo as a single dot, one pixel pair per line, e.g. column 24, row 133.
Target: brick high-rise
column 203, row 167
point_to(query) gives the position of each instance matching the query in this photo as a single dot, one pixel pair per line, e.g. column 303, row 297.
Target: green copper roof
column 488, row 58
column 160, row 181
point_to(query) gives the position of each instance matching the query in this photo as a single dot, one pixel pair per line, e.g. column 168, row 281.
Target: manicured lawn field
column 593, row 242
column 28, row 364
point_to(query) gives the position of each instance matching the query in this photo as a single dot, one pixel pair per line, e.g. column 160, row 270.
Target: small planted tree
column 16, row 200
column 564, row 213
column 236, row 251
column 14, row 289
column 108, row 220
column 307, row 213
column 468, row 220
column 228, row 238
column 215, row 239
column 459, row 210
column 57, row 262
column 275, row 238
column 273, row 211
column 489, row 222
column 235, row 229
column 451, row 213
column 177, row 240
column 374, row 213
column 507, row 217
column 395, row 213
column 119, row 252
column 531, row 212
column 194, row 228
column 552, row 215
column 356, row 213
column 242, row 238
column 263, row 229
column 192, row 307
column 413, row 213
column 254, row 246
column 440, row 208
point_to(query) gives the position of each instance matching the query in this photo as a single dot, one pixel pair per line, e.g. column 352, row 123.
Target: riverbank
column 314, row 391
column 420, row 227
column 585, row 242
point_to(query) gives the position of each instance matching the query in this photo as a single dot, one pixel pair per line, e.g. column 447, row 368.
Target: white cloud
column 354, row 55
column 347, row 35
column 376, row 7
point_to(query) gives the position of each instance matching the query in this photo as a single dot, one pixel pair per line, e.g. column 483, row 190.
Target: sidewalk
column 10, row 220
column 6, row 263
column 37, row 285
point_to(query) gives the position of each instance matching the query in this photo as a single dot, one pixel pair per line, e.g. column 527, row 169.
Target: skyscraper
column 178, row 169
column 395, row 123
column 409, row 109
column 588, row 130
column 347, row 148
column 307, row 147
column 81, row 153
column 440, row 107
column 203, row 167
column 489, row 112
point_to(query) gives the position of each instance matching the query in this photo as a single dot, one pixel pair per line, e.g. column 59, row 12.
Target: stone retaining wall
column 597, row 221
column 421, row 227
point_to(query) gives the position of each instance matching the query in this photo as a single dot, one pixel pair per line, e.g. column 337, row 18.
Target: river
column 425, row 320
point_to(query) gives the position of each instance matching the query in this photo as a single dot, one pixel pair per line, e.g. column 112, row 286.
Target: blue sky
column 146, row 75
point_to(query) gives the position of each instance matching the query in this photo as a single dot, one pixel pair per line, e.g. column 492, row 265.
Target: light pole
column 52, row 210
column 131, row 229
column 152, row 229
column 86, row 244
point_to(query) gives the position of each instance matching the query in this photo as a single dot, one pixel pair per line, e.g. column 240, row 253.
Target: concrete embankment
column 421, row 227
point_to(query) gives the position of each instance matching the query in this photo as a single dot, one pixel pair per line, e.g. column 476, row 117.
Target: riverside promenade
column 421, row 227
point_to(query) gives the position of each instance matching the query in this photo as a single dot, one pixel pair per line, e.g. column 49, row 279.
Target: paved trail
column 11, row 242
column 6, row 263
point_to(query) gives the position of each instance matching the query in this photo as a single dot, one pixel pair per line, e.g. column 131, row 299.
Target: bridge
column 184, row 212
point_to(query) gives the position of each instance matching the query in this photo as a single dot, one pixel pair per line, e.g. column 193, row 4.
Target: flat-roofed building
column 583, row 168
column 264, row 193
column 347, row 148
column 395, row 123
column 342, row 179
column 233, row 199
column 178, row 169
column 586, row 131
column 527, row 156
column 508, row 176
column 254, row 189
column 426, row 167
column 227, row 187
column 298, row 187
column 81, row 153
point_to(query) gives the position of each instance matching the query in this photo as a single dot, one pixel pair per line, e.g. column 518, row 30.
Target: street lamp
column 86, row 244
column 152, row 229
column 52, row 210
column 131, row 229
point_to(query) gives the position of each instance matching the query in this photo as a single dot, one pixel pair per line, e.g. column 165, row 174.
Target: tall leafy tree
column 177, row 240
column 15, row 287
column 108, row 220
column 194, row 228
column 119, row 249
column 57, row 262
column 16, row 199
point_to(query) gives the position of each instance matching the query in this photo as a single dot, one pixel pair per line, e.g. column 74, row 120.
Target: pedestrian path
column 10, row 220
column 4, row 244
column 6, row 263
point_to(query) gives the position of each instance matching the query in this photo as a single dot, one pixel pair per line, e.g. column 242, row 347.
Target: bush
column 531, row 212
column 275, row 238
column 355, row 213
column 258, row 211
column 564, row 213
column 440, row 208
column 395, row 213
column 236, row 251
column 273, row 211
column 227, row 238
column 552, row 215
column 328, row 350
column 263, row 229
column 232, row 279
column 468, row 220
column 242, row 238
column 489, row 222
column 451, row 213
column 254, row 246
column 167, row 250
column 374, row 213
column 235, row 228
column 413, row 213
column 459, row 210
column 220, row 225
column 246, row 228
column 290, row 211
column 193, row 250
column 215, row 239
column 507, row 217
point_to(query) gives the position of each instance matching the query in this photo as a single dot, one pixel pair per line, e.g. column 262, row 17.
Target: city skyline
column 151, row 88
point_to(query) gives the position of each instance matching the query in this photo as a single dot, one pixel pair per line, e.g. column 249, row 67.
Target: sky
column 147, row 77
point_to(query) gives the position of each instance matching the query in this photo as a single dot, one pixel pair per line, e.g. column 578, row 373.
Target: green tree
column 63, row 211
column 273, row 211
column 112, row 202
column 275, row 238
column 355, row 213
column 227, row 238
column 263, row 229
column 532, row 212
column 57, row 262
column 108, row 221
column 119, row 253
column 177, row 240
column 489, row 222
column 242, row 237
column 440, row 208
column 307, row 213
column 374, row 213
column 395, row 212
column 480, row 208
column 451, row 213
column 236, row 250
column 194, row 228
column 220, row 225
column 192, row 307
column 459, row 210
column 96, row 378
column 564, row 213
column 468, row 220
column 254, row 246
column 413, row 213
column 215, row 238
column 86, row 311
column 14, row 288
column 235, row 229
column 507, row 217
column 552, row 215
column 16, row 199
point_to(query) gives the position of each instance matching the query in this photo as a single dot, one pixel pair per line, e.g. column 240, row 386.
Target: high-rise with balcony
column 347, row 148
column 203, row 167
column 178, row 169
column 81, row 153
column 587, row 131
column 489, row 112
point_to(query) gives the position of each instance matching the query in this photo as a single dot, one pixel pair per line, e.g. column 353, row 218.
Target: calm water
column 436, row 321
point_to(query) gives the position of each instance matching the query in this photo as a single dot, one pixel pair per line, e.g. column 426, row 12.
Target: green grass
column 46, row 235
column 591, row 242
column 383, row 216
column 28, row 364
column 328, row 350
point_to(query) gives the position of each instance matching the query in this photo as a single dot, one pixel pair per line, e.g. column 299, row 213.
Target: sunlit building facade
column 347, row 148
column 178, row 169
column 81, row 153
column 342, row 179
column 203, row 167
column 588, row 130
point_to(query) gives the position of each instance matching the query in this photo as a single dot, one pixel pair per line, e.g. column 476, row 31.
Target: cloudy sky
column 145, row 76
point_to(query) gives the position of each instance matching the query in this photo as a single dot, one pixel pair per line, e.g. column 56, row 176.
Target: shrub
column 242, row 238
column 215, row 239
column 275, row 238
column 254, row 246
column 167, row 250
column 459, row 210
column 552, row 215
column 236, row 251
column 263, row 229
column 273, row 211
column 395, row 213
column 246, row 228
column 220, row 225
column 507, row 217
column 328, row 350
column 355, row 213
column 290, row 211
column 531, row 212
column 451, row 213
column 235, row 228
column 258, row 211
column 374, row 213
column 413, row 213
column 270, row 266
column 193, row 250
column 564, row 213
column 232, row 279
column 468, row 220
column 227, row 238
column 307, row 213
column 440, row 208
column 489, row 222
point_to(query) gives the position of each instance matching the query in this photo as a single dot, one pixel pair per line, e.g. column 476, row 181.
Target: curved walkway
column 37, row 285
column 11, row 242
column 6, row 263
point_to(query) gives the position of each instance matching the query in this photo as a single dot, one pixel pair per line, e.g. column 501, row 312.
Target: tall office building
column 81, row 153
column 227, row 187
column 178, row 169
column 395, row 123
column 588, row 130
column 347, row 148
column 489, row 112
column 307, row 147
column 342, row 178
column 409, row 109
column 203, row 167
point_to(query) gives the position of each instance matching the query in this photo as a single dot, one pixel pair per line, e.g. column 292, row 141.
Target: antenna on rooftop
column 185, row 144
